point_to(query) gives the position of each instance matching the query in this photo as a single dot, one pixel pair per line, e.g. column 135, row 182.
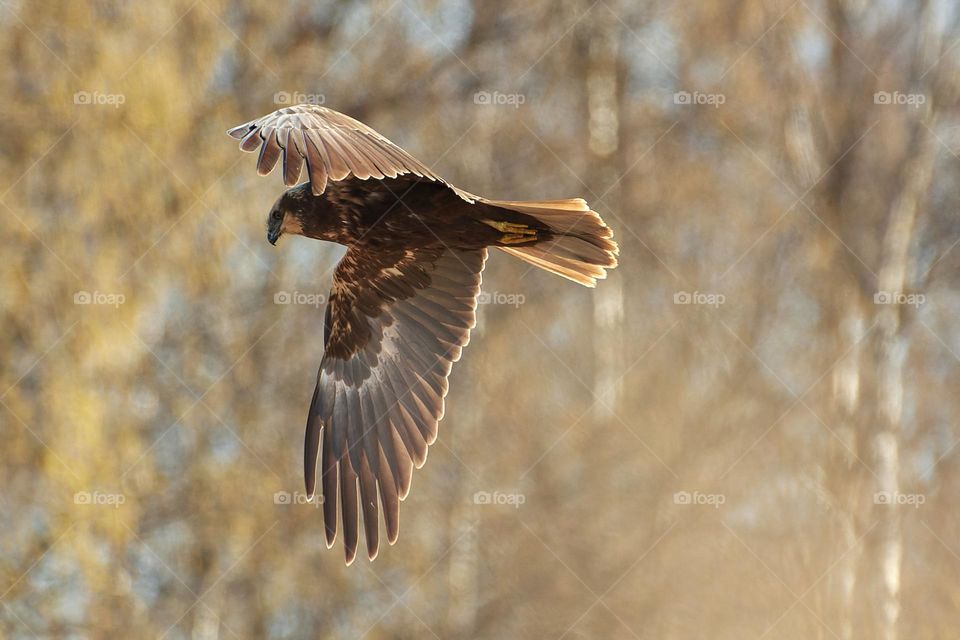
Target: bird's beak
column 273, row 235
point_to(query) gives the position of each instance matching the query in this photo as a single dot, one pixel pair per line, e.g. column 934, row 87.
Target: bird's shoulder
column 377, row 194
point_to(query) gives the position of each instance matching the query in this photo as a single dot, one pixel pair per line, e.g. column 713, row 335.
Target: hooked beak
column 273, row 235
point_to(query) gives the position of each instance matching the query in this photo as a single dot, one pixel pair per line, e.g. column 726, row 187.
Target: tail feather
column 581, row 247
column 578, row 272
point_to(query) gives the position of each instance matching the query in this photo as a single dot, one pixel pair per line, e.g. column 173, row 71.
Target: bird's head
column 288, row 214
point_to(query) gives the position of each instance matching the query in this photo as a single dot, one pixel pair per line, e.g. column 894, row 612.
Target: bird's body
column 403, row 299
column 407, row 211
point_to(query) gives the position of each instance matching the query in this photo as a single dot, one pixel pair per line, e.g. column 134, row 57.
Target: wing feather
column 312, row 440
column 389, row 457
column 368, row 504
column 341, row 415
column 389, row 500
column 328, row 481
column 369, row 435
column 401, row 419
column 317, row 167
column 394, row 328
column 251, row 140
column 292, row 157
column 334, row 146
column 270, row 153
column 350, row 514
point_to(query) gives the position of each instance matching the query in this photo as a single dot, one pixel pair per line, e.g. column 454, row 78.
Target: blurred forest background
column 750, row 430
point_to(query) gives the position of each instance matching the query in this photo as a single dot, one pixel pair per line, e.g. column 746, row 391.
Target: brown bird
column 404, row 295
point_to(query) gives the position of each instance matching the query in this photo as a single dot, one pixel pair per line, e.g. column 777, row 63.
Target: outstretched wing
column 395, row 323
column 332, row 144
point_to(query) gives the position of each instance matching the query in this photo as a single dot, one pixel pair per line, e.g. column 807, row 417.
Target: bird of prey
column 403, row 298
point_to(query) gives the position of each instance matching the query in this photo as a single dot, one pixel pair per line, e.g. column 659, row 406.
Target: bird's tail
column 580, row 247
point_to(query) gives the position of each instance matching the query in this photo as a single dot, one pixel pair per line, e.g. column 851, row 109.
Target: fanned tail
column 581, row 247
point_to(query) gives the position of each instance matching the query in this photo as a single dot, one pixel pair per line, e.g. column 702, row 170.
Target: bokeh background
column 748, row 431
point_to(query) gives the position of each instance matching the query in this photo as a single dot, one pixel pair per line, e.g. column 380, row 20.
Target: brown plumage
column 404, row 296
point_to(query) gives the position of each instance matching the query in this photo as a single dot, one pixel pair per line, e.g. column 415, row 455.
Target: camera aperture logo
column 499, row 498
column 300, row 297
column 297, row 497
column 497, row 297
column 99, row 297
column 499, row 99
column 97, row 99
column 287, row 98
column 700, row 298
column 697, row 498
column 99, row 499
column 895, row 498
column 697, row 98
column 899, row 297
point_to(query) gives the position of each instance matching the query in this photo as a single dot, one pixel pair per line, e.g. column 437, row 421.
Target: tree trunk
column 891, row 354
column 603, row 108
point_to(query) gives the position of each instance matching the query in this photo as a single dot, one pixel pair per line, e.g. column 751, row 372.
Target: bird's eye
column 276, row 215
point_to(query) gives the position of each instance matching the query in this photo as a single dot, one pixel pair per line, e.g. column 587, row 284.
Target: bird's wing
column 332, row 144
column 395, row 323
